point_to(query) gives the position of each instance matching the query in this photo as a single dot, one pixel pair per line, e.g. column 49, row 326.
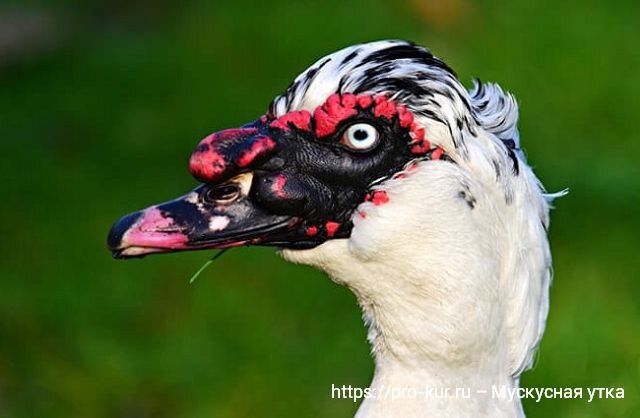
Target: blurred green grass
column 101, row 120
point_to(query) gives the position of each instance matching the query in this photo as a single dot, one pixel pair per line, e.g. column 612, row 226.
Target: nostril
column 114, row 239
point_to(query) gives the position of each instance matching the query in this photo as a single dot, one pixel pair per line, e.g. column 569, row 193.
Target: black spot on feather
column 466, row 195
column 311, row 74
column 468, row 198
column 349, row 57
column 514, row 159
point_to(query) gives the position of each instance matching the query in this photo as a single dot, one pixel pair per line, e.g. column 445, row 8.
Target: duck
column 379, row 168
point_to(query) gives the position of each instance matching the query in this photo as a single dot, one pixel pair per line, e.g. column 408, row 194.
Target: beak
column 220, row 216
column 219, row 213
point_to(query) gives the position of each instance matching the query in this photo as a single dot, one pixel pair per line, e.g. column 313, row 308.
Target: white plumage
column 453, row 297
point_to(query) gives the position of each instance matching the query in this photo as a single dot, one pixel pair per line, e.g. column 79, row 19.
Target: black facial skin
column 326, row 180
column 304, row 190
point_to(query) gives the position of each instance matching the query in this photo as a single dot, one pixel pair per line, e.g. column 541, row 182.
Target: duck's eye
column 360, row 137
column 224, row 193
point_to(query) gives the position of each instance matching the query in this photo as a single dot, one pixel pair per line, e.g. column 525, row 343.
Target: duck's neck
column 440, row 335
column 436, row 389
column 437, row 353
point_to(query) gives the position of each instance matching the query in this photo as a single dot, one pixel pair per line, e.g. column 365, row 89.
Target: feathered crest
column 412, row 75
column 496, row 111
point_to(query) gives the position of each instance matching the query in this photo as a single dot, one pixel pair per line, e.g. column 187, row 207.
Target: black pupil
column 360, row 134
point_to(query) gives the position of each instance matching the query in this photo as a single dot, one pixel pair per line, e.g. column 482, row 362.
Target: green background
column 101, row 103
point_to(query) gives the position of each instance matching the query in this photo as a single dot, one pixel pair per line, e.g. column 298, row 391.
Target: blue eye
column 360, row 137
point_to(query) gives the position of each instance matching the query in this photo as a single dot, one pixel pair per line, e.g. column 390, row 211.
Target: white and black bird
column 378, row 167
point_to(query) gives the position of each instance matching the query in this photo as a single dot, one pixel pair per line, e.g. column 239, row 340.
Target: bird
column 377, row 166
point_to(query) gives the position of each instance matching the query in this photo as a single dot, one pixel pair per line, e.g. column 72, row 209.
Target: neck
column 430, row 387
column 437, row 353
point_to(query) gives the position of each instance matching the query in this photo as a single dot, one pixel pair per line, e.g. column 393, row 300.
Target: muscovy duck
column 378, row 167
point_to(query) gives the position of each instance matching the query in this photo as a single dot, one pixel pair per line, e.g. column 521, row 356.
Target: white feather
column 455, row 294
